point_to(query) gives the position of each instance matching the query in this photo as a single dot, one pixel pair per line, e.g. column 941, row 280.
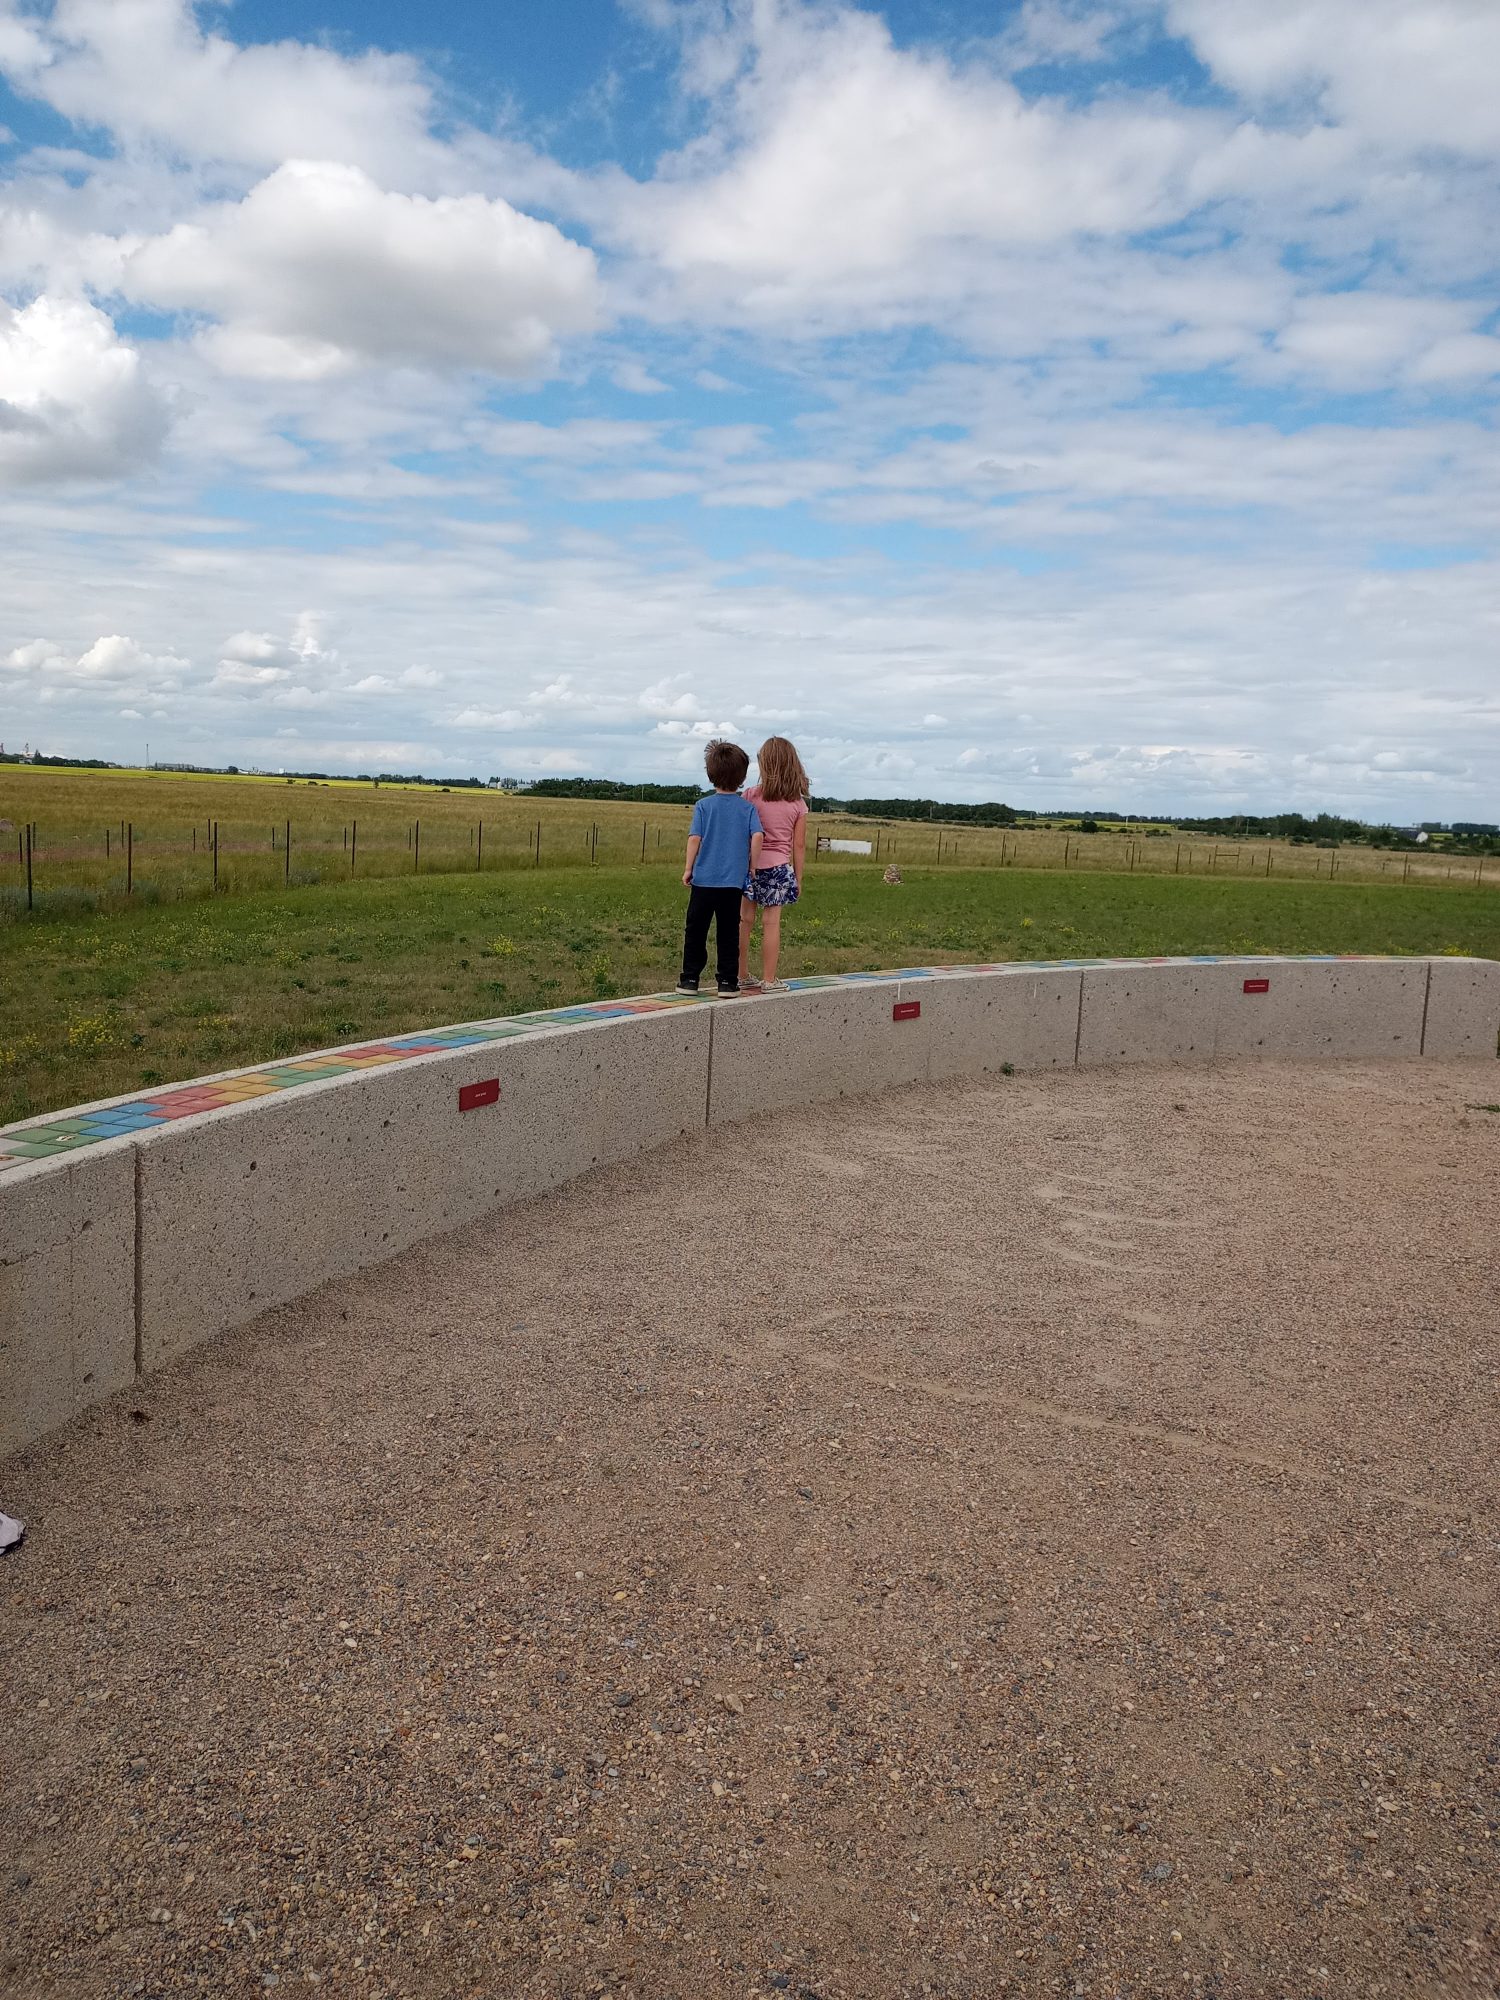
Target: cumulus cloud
column 1410, row 73
column 146, row 70
column 259, row 649
column 112, row 664
column 318, row 270
column 660, row 698
column 843, row 158
column 75, row 402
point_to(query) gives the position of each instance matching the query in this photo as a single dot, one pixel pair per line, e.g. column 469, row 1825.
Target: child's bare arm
column 757, row 842
column 799, row 849
column 694, row 843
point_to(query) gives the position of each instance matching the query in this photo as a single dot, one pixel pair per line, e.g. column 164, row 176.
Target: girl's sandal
column 772, row 985
column 749, row 985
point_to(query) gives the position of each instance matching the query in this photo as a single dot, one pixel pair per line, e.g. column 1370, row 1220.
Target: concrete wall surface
column 1151, row 1013
column 1346, row 1007
column 810, row 1047
column 1463, row 1007
column 67, row 1289
column 131, row 1231
column 975, row 1023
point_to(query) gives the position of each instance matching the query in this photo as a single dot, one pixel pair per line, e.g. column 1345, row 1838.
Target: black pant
column 721, row 906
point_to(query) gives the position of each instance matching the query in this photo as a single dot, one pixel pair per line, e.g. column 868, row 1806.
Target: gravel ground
column 1029, row 1538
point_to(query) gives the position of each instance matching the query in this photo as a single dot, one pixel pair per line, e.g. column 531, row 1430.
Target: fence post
column 216, row 857
column 130, row 857
column 195, row 836
column 106, row 843
column 416, row 847
column 643, row 840
column 1268, row 860
column 593, row 843
column 28, row 864
column 1067, row 850
column 479, row 853
column 353, row 843
column 538, row 862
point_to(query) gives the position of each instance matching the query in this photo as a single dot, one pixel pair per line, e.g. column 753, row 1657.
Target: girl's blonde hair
column 781, row 772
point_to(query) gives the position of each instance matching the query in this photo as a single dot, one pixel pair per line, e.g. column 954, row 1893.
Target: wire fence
column 54, row 872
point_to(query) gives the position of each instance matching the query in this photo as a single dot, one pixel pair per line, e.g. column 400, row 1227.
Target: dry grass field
column 105, row 838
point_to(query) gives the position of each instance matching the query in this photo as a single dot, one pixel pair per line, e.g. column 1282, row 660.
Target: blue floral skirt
column 773, row 886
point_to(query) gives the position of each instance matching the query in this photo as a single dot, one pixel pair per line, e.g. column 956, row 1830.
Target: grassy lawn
column 94, row 1007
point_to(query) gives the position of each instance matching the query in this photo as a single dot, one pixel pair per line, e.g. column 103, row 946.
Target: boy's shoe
column 687, row 986
column 729, row 986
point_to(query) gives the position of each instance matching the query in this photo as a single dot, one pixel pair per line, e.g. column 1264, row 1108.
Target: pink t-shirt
column 778, row 819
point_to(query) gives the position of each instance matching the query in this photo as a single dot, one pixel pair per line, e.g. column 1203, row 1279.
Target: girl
column 781, row 800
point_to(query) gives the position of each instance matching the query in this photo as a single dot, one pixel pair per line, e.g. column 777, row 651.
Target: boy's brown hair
column 726, row 764
column 781, row 772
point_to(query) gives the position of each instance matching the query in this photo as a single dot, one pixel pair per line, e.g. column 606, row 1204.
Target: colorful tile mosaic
column 45, row 1139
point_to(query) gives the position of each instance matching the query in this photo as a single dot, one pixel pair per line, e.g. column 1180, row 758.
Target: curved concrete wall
column 133, row 1229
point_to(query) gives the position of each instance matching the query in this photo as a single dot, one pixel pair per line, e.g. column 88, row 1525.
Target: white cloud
column 74, row 400
column 237, row 674
column 489, row 718
column 266, row 661
column 698, row 732
column 259, row 649
column 319, row 270
column 419, row 677
column 844, row 160
column 146, row 71
column 35, row 653
column 1364, row 337
column 1463, row 357
column 112, row 663
column 636, row 379
column 934, row 722
column 1408, row 73
column 659, row 699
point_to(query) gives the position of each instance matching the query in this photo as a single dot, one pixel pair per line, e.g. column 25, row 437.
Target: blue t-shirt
column 724, row 822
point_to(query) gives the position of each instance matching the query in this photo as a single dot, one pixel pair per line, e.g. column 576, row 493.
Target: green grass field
column 95, row 1006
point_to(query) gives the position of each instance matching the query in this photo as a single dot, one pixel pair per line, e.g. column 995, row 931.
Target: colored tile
column 40, row 1144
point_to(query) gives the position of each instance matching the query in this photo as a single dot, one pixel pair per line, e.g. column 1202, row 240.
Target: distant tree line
column 990, row 814
column 67, row 763
column 612, row 788
column 1324, row 829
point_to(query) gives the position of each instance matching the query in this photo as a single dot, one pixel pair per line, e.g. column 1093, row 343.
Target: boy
column 723, row 850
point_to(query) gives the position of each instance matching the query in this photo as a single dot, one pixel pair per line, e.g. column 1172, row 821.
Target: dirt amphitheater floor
column 1025, row 1538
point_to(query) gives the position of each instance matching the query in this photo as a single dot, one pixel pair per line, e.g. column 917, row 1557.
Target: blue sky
column 1070, row 399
